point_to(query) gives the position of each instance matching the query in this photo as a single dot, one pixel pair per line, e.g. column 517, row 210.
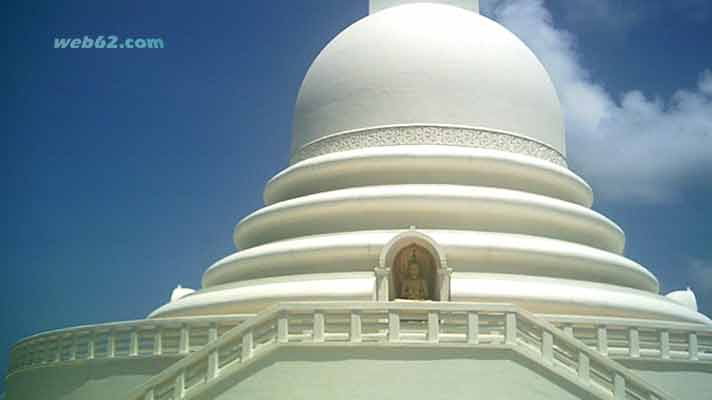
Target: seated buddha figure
column 413, row 286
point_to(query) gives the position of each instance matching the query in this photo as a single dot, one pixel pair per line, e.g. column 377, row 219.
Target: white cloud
column 616, row 18
column 630, row 147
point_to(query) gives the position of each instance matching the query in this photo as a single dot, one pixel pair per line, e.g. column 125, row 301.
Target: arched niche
column 394, row 262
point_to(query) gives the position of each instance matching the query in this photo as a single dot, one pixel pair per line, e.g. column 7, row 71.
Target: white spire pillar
column 378, row 5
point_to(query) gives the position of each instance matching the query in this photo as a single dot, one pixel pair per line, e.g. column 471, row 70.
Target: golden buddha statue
column 413, row 286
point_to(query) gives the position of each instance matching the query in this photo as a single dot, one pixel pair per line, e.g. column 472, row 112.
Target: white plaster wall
column 684, row 381
column 85, row 380
column 395, row 373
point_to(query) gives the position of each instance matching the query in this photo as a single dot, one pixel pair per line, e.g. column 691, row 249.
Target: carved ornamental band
column 429, row 135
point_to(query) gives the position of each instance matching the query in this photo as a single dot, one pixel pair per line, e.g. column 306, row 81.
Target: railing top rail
column 626, row 322
column 128, row 325
column 396, row 305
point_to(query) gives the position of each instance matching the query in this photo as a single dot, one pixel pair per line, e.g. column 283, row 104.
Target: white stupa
column 426, row 241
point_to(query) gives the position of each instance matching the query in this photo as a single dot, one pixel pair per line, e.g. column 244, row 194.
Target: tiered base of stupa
column 361, row 284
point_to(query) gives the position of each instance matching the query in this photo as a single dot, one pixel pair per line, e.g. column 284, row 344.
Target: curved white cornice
column 536, row 294
column 429, row 207
column 560, row 296
column 429, row 134
column 253, row 296
column 466, row 251
column 427, row 164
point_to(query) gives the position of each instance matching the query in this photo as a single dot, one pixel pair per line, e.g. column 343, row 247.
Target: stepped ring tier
column 467, row 251
column 454, row 207
column 427, row 164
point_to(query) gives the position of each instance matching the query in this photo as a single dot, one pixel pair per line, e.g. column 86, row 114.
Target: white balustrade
column 113, row 340
column 644, row 339
column 463, row 324
column 369, row 324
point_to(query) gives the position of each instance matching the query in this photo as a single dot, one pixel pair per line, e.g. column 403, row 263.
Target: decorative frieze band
column 429, row 135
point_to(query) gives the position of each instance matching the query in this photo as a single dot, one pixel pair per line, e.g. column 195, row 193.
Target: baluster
column 393, row 326
column 318, row 331
column 355, row 331
column 27, row 354
column 584, row 367
column 133, row 342
column 91, row 345
column 58, row 350
column 213, row 357
column 473, row 327
column 43, row 352
column 179, row 386
column 547, row 347
column 73, row 346
column 510, row 328
column 665, row 344
column 213, row 364
column 618, row 386
column 158, row 341
column 247, row 343
column 38, row 351
column 633, row 342
column 433, row 326
column 282, row 328
column 569, row 330
column 46, row 351
column 212, row 332
column 184, row 342
column 692, row 347
column 110, row 344
column 602, row 338
column 19, row 356
column 32, row 352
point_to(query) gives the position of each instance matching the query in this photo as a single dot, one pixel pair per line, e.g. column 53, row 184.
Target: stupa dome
column 426, row 64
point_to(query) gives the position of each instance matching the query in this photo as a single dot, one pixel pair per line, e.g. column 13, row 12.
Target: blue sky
column 125, row 171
